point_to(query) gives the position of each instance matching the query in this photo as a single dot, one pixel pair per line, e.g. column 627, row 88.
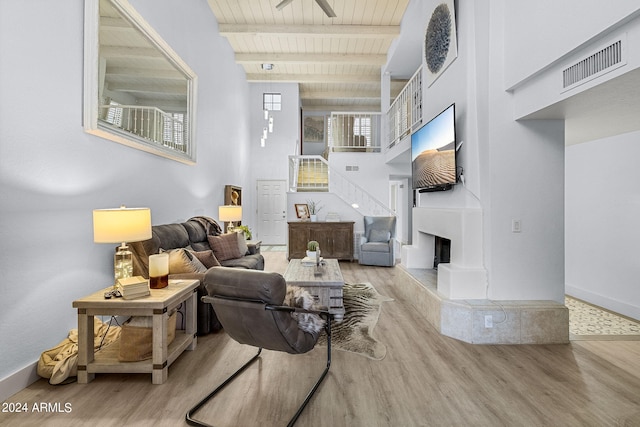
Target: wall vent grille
column 594, row 65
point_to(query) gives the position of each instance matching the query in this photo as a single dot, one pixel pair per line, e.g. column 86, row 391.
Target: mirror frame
column 91, row 69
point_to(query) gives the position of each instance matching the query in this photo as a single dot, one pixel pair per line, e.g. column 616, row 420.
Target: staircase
column 314, row 173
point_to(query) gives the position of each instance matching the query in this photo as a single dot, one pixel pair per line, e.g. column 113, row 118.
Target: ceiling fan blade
column 324, row 4
column 282, row 4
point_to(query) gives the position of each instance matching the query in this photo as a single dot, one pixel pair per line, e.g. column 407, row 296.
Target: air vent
column 605, row 60
column 352, row 168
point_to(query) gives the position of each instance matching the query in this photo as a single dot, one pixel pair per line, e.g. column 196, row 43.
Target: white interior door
column 398, row 200
column 272, row 212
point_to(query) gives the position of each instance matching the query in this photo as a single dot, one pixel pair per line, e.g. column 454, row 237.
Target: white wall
column 52, row 174
column 513, row 170
column 602, row 234
column 372, row 173
column 271, row 161
column 542, row 31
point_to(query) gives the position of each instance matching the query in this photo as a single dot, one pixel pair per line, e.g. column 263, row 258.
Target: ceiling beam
column 351, row 31
column 314, row 78
column 162, row 89
column 373, row 108
column 370, row 94
column 154, row 73
column 129, row 52
column 299, row 58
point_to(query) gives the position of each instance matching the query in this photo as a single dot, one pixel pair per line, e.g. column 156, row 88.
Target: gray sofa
column 192, row 234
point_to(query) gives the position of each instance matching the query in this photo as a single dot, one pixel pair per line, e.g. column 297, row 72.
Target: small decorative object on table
column 332, row 217
column 313, row 249
column 159, row 270
column 302, row 211
column 314, row 208
column 133, row 287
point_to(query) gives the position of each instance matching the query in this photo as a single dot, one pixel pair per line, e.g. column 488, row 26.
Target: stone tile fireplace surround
column 456, row 301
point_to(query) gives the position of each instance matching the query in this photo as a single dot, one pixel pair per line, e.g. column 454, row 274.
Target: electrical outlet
column 516, row 226
column 488, row 321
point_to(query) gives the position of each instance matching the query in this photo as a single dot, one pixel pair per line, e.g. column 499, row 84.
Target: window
column 272, row 101
column 114, row 114
column 174, row 129
column 362, row 127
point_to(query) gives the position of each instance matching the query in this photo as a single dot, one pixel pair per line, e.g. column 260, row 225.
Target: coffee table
column 157, row 305
column 324, row 283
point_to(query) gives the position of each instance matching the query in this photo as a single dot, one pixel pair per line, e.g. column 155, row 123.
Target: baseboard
column 604, row 302
column 18, row 381
column 26, row 376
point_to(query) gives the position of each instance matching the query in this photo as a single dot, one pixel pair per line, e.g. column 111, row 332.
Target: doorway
column 272, row 212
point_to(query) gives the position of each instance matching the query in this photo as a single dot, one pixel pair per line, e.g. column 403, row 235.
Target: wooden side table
column 158, row 305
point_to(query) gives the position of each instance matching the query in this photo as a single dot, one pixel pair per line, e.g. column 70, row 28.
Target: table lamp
column 230, row 213
column 121, row 225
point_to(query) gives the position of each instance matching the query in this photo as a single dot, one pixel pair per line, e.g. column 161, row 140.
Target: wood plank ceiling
column 335, row 61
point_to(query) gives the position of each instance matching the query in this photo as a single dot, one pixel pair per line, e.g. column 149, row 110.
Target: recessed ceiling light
column 267, row 67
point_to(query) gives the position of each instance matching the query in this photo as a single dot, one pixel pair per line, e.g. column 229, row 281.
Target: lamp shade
column 121, row 225
column 228, row 213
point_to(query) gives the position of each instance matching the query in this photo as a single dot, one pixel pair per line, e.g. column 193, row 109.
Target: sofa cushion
column 207, row 258
column 379, row 235
column 242, row 243
column 251, row 262
column 225, row 246
column 183, row 261
column 375, row 247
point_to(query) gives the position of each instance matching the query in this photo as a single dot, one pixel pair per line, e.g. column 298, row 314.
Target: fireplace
column 442, row 251
column 464, row 275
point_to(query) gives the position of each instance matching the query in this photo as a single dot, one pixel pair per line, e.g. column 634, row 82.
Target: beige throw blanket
column 61, row 362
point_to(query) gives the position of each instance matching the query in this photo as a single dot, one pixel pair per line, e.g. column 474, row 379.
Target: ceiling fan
column 324, row 4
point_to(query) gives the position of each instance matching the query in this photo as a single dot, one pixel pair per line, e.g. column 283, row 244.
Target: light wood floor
column 425, row 380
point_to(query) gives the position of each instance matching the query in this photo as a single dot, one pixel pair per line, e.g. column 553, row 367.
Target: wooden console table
column 335, row 239
column 158, row 305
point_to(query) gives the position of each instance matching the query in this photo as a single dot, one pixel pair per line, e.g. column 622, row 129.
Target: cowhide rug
column 355, row 333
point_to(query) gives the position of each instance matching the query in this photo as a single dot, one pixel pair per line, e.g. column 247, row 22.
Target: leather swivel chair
column 249, row 304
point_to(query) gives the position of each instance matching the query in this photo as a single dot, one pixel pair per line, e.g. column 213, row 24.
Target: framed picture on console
column 302, row 210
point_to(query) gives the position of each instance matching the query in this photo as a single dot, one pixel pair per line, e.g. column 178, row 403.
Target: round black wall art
column 438, row 38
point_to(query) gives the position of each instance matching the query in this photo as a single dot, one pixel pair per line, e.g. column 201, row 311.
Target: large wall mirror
column 137, row 90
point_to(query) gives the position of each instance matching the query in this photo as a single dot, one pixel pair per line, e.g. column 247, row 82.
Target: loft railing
column 405, row 113
column 314, row 173
column 150, row 123
column 354, row 132
column 308, row 173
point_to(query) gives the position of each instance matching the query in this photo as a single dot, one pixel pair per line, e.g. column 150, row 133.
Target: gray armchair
column 377, row 244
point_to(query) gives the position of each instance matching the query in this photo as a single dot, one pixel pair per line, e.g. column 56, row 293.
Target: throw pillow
column 301, row 298
column 379, row 235
column 242, row 243
column 207, row 258
column 182, row 261
column 225, row 246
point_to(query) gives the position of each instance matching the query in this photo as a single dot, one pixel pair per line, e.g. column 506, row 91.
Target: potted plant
column 245, row 230
column 314, row 208
column 313, row 249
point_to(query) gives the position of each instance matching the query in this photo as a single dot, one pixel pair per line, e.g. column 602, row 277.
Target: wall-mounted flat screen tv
column 433, row 153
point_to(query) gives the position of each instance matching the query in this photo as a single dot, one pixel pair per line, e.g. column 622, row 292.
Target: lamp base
column 122, row 263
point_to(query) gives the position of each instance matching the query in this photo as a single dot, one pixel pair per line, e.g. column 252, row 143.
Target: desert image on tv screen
column 433, row 152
